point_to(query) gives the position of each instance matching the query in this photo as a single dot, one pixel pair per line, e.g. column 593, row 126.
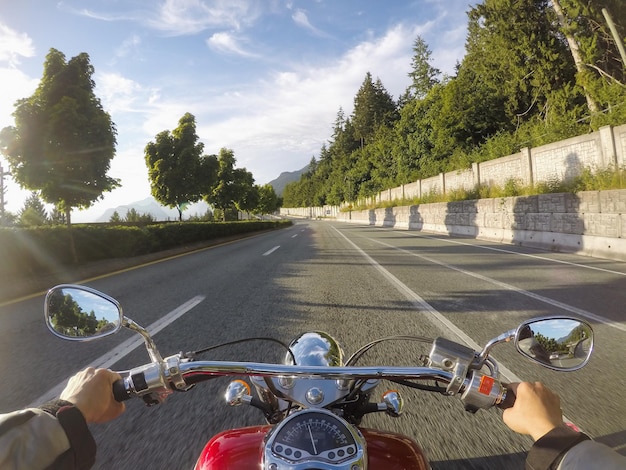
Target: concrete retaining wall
column 591, row 223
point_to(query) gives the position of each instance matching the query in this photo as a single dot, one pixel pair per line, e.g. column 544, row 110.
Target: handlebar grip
column 119, row 391
column 509, row 399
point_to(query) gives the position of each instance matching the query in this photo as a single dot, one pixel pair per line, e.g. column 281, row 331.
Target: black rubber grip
column 509, row 399
column 119, row 391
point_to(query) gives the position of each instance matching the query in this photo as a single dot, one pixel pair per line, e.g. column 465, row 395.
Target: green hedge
column 30, row 251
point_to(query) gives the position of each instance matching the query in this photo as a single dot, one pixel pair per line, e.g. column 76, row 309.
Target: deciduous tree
column 63, row 140
column 231, row 183
column 268, row 200
column 177, row 168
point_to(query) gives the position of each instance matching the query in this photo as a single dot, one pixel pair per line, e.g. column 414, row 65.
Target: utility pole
column 2, row 191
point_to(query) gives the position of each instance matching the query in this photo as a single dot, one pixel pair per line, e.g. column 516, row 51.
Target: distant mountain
column 152, row 207
column 285, row 178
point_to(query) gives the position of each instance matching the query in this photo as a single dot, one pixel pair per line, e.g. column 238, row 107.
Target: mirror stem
column 153, row 352
column 503, row 338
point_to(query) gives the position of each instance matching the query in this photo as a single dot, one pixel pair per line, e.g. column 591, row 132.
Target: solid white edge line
column 418, row 301
column 527, row 255
column 123, row 349
column 504, row 285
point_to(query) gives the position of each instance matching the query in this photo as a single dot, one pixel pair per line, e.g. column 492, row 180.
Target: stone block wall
column 497, row 172
column 590, row 223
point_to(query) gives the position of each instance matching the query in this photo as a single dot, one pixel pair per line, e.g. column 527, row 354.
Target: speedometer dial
column 314, row 436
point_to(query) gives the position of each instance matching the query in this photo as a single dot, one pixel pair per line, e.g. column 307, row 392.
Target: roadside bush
column 95, row 243
column 40, row 250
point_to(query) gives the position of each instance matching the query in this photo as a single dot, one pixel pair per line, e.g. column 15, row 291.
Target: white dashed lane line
column 269, row 252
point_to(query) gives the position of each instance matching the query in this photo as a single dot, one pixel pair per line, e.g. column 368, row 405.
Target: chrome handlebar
column 219, row 368
column 155, row 381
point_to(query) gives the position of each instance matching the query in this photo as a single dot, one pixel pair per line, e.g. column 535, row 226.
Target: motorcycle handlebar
column 147, row 378
column 120, row 393
column 218, row 368
column 509, row 398
column 154, row 383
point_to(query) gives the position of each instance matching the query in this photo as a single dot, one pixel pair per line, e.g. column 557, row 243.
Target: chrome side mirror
column 79, row 313
column 558, row 343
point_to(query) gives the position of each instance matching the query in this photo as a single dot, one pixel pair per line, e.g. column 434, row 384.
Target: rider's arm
column 52, row 436
column 591, row 454
column 565, row 449
column 56, row 435
column 537, row 412
column 549, row 450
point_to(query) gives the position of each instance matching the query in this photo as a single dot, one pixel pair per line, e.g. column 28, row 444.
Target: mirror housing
column 79, row 313
column 558, row 343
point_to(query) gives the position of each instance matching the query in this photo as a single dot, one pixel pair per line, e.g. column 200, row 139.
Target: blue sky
column 263, row 77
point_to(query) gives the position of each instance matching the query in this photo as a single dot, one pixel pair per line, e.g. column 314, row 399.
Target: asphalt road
column 357, row 283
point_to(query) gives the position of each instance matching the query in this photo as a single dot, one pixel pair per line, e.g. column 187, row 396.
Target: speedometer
column 315, row 436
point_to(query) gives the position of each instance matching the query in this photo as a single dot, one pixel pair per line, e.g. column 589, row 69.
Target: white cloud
column 14, row 45
column 273, row 124
column 283, row 120
column 301, row 19
column 128, row 47
column 180, row 17
column 184, row 17
column 122, row 97
column 227, row 43
column 15, row 85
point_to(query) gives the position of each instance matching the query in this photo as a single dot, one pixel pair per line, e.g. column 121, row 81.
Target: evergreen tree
column 57, row 217
column 33, row 212
column 515, row 66
column 373, row 107
column 601, row 69
column 115, row 218
column 132, row 215
column 423, row 74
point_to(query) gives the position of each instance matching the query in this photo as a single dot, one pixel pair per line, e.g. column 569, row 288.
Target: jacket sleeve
column 565, row 449
column 590, row 454
column 54, row 436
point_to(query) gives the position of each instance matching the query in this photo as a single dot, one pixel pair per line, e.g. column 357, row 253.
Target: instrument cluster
column 314, row 436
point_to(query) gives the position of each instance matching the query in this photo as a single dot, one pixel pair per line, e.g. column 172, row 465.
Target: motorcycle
column 314, row 401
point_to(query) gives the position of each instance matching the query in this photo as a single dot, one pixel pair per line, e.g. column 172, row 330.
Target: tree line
column 181, row 173
column 63, row 141
column 534, row 72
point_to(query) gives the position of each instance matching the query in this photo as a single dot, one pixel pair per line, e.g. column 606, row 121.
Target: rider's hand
column 91, row 391
column 536, row 412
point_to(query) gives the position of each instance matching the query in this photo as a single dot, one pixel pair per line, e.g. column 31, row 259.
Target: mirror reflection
column 76, row 313
column 557, row 343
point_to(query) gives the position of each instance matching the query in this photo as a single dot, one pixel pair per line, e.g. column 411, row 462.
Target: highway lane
column 314, row 276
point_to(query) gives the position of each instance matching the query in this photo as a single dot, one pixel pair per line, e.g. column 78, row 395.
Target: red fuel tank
column 242, row 448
